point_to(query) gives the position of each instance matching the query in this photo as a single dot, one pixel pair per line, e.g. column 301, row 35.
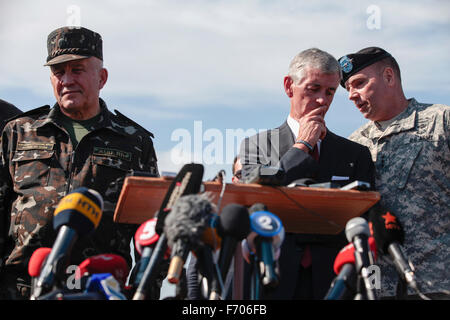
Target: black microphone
column 357, row 231
column 187, row 181
column 77, row 215
column 184, row 228
column 211, row 282
column 219, row 177
column 389, row 236
column 233, row 226
column 205, row 265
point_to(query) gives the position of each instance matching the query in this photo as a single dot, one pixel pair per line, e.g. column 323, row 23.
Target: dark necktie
column 315, row 153
column 306, row 258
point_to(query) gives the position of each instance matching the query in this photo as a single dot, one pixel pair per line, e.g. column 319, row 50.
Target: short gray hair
column 313, row 58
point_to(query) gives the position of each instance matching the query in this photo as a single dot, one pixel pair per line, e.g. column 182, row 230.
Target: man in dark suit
column 303, row 147
column 7, row 110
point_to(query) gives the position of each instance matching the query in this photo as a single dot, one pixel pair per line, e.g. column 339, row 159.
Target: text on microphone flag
column 81, row 203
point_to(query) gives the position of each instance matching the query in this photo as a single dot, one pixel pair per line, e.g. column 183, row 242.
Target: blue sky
column 174, row 63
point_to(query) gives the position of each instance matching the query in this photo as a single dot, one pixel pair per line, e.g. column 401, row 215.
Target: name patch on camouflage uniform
column 114, row 153
column 22, row 146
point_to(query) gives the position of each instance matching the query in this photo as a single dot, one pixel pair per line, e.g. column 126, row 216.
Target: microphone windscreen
column 234, row 221
column 385, row 227
column 80, row 210
column 105, row 263
column 37, row 260
column 188, row 220
column 347, row 255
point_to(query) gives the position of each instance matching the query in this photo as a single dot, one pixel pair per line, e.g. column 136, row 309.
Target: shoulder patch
column 126, row 119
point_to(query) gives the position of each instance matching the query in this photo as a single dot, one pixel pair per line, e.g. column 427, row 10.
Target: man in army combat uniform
column 409, row 143
column 48, row 152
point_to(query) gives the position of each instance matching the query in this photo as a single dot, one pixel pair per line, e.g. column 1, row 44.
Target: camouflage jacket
column 412, row 161
column 39, row 166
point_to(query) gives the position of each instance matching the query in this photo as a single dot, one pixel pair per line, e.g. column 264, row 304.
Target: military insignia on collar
column 346, row 64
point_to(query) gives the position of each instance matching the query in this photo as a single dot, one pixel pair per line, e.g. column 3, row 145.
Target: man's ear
column 103, row 77
column 288, row 86
column 389, row 76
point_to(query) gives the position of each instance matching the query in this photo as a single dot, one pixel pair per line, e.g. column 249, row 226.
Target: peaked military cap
column 73, row 43
column 354, row 62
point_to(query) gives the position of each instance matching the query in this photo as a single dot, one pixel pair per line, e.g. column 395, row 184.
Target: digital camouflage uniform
column 412, row 160
column 39, row 166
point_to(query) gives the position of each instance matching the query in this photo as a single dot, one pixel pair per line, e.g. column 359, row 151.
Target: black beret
column 73, row 43
column 354, row 62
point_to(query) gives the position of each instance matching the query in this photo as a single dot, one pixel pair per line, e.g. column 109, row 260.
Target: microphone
column 77, row 215
column 146, row 236
column 184, row 228
column 99, row 286
column 104, row 284
column 37, row 260
column 343, row 286
column 357, row 232
column 187, row 181
column 233, row 227
column 211, row 280
column 35, row 264
column 265, row 239
column 389, row 236
column 219, row 177
column 145, row 240
column 114, row 264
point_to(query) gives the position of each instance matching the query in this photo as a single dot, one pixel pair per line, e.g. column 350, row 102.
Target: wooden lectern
column 301, row 209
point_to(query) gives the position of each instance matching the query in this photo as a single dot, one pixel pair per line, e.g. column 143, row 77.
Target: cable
column 219, row 202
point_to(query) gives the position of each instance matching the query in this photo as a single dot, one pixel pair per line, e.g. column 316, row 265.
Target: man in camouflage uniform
column 48, row 152
column 409, row 144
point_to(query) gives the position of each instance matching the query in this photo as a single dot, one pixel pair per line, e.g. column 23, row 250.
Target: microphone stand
column 255, row 280
column 402, row 289
column 363, row 287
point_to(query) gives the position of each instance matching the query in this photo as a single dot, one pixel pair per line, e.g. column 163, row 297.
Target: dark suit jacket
column 7, row 110
column 338, row 157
